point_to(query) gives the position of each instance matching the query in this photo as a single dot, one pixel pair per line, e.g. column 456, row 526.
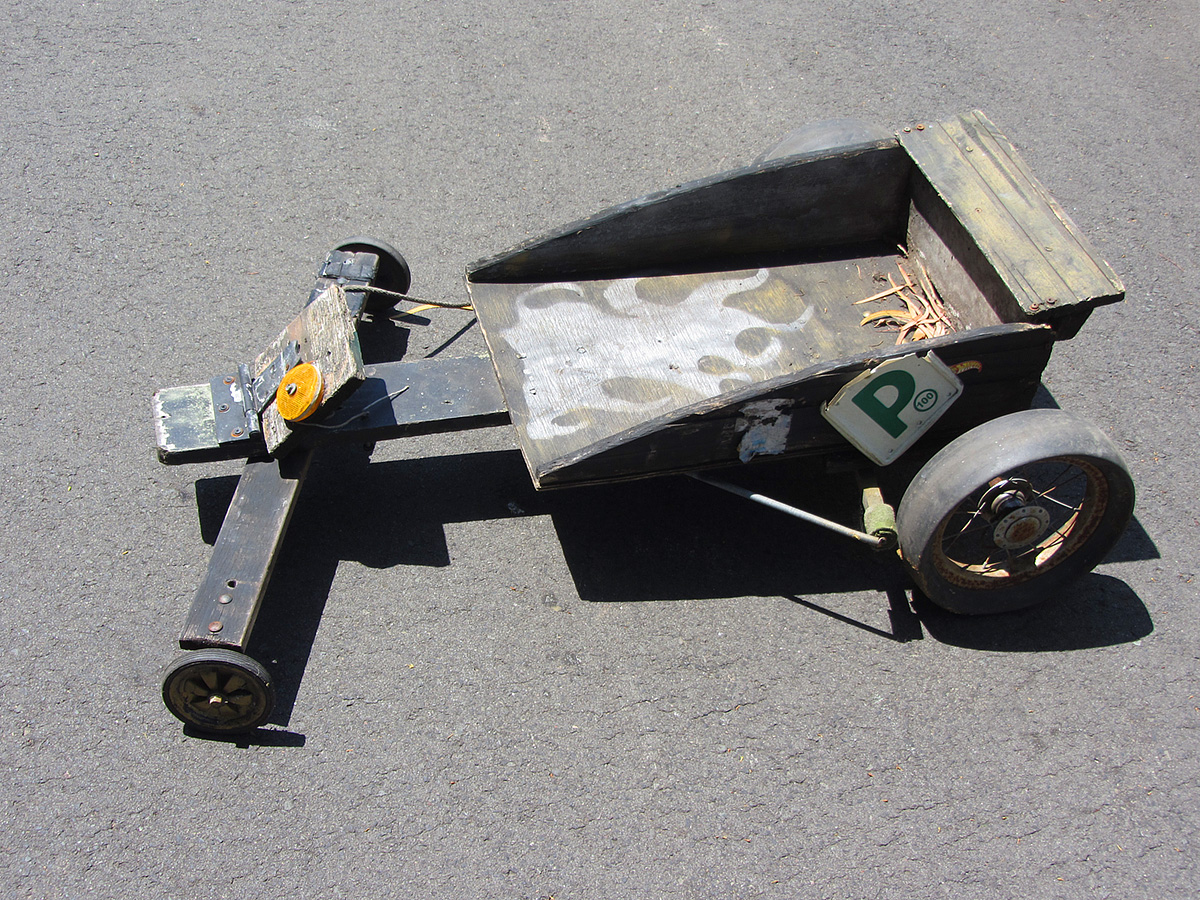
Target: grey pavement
column 645, row 690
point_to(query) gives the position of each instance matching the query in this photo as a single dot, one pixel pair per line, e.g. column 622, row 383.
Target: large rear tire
column 1014, row 510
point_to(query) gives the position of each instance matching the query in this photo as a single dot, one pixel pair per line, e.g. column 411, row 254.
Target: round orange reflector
column 300, row 392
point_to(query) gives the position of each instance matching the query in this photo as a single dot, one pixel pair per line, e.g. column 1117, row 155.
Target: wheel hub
column 1004, row 496
column 1021, row 528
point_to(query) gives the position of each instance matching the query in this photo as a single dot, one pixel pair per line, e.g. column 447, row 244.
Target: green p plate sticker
column 883, row 411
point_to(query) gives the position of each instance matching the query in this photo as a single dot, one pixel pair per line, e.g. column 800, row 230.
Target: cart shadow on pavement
column 662, row 539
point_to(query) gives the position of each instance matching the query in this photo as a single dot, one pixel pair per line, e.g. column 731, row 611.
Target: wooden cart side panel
column 967, row 285
column 1024, row 252
column 733, row 220
column 1001, row 368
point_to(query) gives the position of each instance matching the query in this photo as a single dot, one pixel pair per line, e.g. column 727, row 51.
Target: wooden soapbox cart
column 851, row 290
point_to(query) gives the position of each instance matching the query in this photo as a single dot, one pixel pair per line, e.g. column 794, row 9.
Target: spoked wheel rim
column 219, row 691
column 1021, row 524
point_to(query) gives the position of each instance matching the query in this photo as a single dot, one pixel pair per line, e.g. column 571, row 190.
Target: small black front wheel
column 218, row 690
column 1014, row 510
column 393, row 273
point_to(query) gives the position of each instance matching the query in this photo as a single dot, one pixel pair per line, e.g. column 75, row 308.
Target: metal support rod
column 791, row 510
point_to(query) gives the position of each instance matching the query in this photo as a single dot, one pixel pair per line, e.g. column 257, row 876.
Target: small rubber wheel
column 1013, row 511
column 393, row 274
column 218, row 690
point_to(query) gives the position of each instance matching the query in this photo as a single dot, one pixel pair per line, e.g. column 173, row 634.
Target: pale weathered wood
column 1028, row 255
column 184, row 419
column 326, row 332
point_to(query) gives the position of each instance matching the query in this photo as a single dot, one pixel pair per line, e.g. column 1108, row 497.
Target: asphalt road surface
column 648, row 690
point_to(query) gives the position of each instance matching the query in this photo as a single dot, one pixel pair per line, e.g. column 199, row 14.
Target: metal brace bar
column 263, row 387
column 870, row 540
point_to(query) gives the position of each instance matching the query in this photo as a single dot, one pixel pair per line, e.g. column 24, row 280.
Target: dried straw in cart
column 924, row 315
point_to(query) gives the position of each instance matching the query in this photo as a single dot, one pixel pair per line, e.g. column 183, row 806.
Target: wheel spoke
column 967, row 530
column 970, row 546
column 1067, row 506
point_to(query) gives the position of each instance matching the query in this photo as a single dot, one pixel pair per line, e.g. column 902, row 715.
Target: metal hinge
column 239, row 399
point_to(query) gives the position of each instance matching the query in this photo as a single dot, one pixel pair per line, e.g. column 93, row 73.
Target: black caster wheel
column 219, row 691
column 393, row 275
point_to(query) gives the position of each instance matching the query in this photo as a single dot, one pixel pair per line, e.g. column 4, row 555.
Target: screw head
column 225, row 598
column 214, row 627
column 237, row 432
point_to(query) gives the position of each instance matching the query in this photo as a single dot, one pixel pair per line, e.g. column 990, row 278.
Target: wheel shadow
column 1096, row 611
column 662, row 539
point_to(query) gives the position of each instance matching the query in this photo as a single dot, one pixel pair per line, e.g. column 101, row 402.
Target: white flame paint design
column 562, row 376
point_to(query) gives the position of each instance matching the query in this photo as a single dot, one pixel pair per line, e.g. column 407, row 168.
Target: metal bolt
column 920, row 127
column 291, row 388
column 225, row 598
column 1051, row 300
column 237, row 432
column 1033, row 307
column 214, row 627
column 224, row 407
column 229, row 379
column 907, row 130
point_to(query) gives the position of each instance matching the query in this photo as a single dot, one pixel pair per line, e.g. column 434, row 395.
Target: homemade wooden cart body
column 849, row 292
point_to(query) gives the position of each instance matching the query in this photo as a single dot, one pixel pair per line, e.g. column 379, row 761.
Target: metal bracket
column 350, row 270
column 263, row 387
column 238, row 400
column 233, row 418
